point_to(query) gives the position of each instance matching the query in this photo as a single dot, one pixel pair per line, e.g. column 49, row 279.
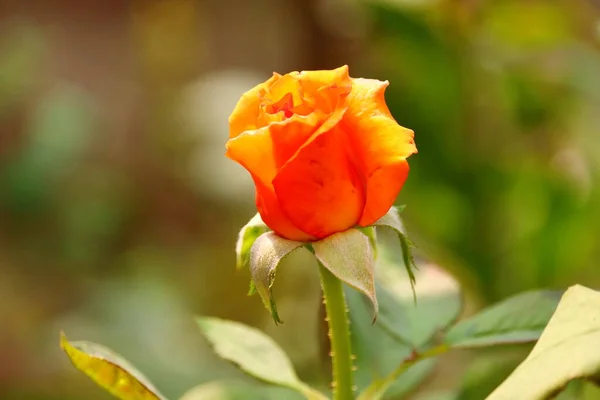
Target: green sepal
column 348, row 255
column 246, row 238
column 371, row 233
column 392, row 220
column 265, row 255
column 252, row 288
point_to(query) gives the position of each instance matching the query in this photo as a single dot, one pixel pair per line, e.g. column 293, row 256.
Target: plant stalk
column 339, row 335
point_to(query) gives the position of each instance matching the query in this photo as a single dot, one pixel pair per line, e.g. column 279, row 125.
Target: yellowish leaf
column 109, row 370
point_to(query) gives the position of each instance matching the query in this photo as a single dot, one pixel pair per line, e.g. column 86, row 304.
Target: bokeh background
column 119, row 211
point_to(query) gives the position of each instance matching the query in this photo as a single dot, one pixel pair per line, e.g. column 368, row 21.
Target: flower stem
column 339, row 335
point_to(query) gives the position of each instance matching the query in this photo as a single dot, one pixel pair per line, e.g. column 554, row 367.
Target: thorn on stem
column 413, row 355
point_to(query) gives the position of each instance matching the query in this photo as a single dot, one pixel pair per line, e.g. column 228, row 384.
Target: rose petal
column 286, row 85
column 245, row 114
column 315, row 80
column 319, row 189
column 289, row 136
column 270, row 211
column 256, row 152
column 380, row 146
column 323, row 90
column 383, row 187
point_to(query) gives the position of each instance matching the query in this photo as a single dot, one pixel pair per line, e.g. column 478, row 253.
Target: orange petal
column 383, row 186
column 314, row 80
column 324, row 89
column 287, row 85
column 290, row 135
column 255, row 151
column 245, row 114
column 271, row 213
column 380, row 146
column 319, row 189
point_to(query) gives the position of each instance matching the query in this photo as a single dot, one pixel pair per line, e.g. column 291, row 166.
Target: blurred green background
column 119, row 212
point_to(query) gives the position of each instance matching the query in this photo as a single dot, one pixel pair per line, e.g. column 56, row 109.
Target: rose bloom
column 323, row 150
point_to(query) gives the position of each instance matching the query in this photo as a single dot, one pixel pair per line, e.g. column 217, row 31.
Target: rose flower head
column 323, row 150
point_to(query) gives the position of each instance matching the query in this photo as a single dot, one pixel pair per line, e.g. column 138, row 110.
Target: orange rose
column 323, row 150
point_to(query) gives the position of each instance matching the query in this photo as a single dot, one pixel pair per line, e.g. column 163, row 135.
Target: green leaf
column 519, row 319
column 236, row 391
column 487, row 371
column 349, row 256
column 109, row 370
column 254, row 353
column 441, row 395
column 403, row 373
column 246, row 238
column 378, row 354
column 415, row 323
column 402, row 325
column 392, row 220
column 579, row 389
column 567, row 350
column 265, row 255
column 573, row 391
